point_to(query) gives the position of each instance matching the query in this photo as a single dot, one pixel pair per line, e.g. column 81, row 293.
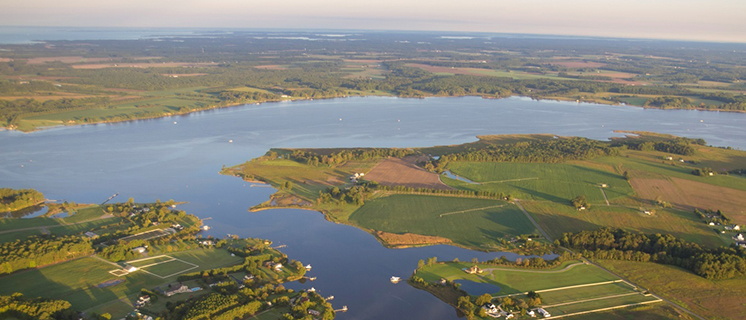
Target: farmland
column 547, row 182
column 705, row 297
column 570, row 288
column 398, row 172
column 490, row 221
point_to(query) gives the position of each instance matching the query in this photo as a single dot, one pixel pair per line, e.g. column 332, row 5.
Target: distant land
column 151, row 73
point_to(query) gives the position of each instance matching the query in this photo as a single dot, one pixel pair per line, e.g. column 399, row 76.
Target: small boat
column 395, row 279
column 230, row 141
column 205, row 227
column 308, row 267
column 312, row 289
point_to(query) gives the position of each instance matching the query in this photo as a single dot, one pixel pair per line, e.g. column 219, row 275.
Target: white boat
column 395, row 279
column 308, row 267
column 205, row 227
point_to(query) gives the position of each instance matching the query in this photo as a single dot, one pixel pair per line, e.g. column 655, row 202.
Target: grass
column 598, row 304
column 576, row 294
column 721, row 299
column 656, row 311
column 164, row 269
column 557, row 220
column 540, row 181
column 518, row 280
column 420, row 214
column 76, row 280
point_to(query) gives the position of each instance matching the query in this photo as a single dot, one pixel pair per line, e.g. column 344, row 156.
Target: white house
column 739, row 237
column 531, row 313
column 544, row 313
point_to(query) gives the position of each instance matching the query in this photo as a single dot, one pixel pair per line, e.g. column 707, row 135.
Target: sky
column 711, row 20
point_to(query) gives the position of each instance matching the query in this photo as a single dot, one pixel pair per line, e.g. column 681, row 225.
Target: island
column 143, row 261
column 612, row 209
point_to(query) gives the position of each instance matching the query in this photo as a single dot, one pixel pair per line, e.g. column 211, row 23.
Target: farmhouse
column 739, row 237
column 734, row 227
column 180, row 289
column 91, row 235
column 314, row 312
column 139, row 249
column 129, row 268
column 473, row 270
column 490, row 308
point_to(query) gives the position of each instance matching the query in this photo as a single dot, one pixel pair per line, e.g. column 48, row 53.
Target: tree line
column 618, row 244
column 549, row 151
column 37, row 251
column 16, row 199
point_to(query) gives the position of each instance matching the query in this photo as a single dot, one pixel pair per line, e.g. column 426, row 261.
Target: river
column 179, row 158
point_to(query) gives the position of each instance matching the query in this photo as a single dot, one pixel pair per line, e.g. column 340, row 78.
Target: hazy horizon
column 715, row 21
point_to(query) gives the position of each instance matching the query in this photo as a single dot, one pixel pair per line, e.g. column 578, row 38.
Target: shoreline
column 217, row 107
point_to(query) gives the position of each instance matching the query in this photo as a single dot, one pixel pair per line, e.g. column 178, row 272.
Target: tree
column 580, row 202
column 485, row 298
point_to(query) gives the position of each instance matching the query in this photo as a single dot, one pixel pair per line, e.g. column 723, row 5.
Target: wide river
column 179, row 158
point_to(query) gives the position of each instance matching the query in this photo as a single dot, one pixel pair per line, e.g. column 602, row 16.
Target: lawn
column 721, row 299
column 541, row 181
column 599, row 304
column 517, row 280
column 421, row 214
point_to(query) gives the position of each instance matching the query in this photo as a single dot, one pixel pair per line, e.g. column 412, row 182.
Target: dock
column 344, row 309
column 112, row 197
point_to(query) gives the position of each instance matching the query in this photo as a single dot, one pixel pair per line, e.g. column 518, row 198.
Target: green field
column 165, row 269
column 64, row 281
column 421, row 214
column 516, row 280
column 540, row 181
column 556, row 220
column 599, row 304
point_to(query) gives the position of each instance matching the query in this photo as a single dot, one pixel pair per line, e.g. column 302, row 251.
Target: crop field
column 539, row 181
column 157, row 233
column 63, row 281
column 572, row 288
column 557, row 220
column 307, row 180
column 689, row 194
column 395, row 172
column 421, row 214
column 707, row 298
column 163, row 266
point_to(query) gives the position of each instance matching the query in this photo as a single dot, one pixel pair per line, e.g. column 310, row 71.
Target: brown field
column 579, row 64
column 39, row 78
column 721, row 299
column 73, row 59
column 687, row 195
column 143, row 65
column 409, row 239
column 398, row 172
column 271, row 67
column 6, row 59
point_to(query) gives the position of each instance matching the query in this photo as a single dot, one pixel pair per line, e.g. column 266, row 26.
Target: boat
column 205, row 227
column 395, row 279
column 308, row 267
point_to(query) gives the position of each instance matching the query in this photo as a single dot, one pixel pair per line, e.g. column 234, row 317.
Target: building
column 473, row 270
column 543, row 312
column 139, row 249
column 739, row 237
column 314, row 312
column 129, row 268
column 734, row 227
column 179, row 289
column 91, row 235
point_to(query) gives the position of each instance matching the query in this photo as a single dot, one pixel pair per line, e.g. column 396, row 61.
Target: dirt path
column 546, row 236
column 605, row 198
column 469, row 210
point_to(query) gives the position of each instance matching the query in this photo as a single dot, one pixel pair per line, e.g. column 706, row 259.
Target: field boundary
column 469, row 210
column 509, row 180
column 567, row 287
column 605, row 309
column 193, row 266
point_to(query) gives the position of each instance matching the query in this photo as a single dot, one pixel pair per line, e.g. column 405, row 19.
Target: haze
column 717, row 20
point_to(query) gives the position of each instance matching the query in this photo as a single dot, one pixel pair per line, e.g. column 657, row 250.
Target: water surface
column 179, row 158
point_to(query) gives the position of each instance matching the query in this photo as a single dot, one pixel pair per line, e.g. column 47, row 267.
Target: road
column 546, row 236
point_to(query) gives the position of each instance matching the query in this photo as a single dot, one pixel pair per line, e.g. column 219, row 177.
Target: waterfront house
column 473, row 270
